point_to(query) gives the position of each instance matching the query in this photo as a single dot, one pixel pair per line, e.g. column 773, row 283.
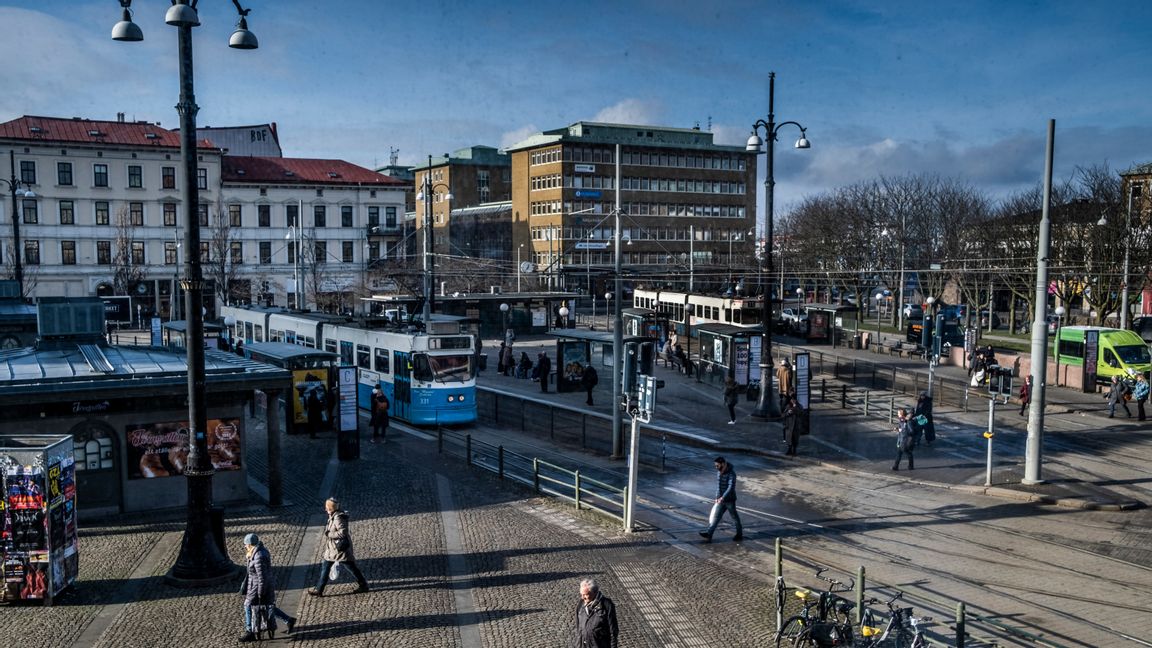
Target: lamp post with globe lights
column 200, row 562
column 14, row 184
column 767, row 406
column 879, row 296
column 1059, row 312
column 427, row 194
column 563, row 312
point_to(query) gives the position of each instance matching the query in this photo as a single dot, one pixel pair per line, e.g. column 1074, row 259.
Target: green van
column 1119, row 351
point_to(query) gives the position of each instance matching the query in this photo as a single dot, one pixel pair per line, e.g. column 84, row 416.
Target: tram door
column 402, row 385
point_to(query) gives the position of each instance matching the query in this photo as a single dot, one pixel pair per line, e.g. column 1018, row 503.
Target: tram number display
column 455, row 342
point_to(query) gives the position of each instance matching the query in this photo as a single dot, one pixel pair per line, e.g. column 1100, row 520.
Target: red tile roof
column 275, row 170
column 92, row 131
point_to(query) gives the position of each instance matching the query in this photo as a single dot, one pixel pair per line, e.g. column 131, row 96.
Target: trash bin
column 482, row 362
column 348, row 445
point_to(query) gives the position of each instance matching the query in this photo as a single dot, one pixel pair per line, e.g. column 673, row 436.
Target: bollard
column 468, row 449
column 988, row 435
column 780, row 588
column 867, row 394
column 577, row 483
column 966, row 399
column 860, row 594
column 960, row 631
column 500, row 451
column 536, row 474
column 663, row 451
column 843, row 396
column 891, row 409
column 823, row 390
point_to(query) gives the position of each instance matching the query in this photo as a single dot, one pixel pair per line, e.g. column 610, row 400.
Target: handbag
column 334, row 572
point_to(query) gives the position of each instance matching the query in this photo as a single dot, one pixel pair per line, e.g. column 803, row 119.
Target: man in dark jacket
column 589, row 380
column 595, row 618
column 725, row 500
column 544, row 365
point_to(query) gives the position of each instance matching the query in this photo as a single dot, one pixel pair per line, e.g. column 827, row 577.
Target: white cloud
column 518, row 135
column 631, row 111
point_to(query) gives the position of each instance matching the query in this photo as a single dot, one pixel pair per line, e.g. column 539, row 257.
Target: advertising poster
column 306, row 382
column 161, row 449
column 741, row 362
column 573, row 359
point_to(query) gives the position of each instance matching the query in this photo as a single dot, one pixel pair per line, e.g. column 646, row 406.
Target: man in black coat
column 596, row 625
column 544, row 365
column 589, row 380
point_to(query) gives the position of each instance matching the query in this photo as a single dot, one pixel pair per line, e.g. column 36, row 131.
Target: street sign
column 592, row 245
column 647, row 399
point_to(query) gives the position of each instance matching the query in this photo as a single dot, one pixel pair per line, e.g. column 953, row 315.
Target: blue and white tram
column 428, row 376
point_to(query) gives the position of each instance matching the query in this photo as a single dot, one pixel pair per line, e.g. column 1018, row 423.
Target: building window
column 205, row 252
column 373, row 251
column 31, row 212
column 291, row 215
column 170, row 214
column 265, row 252
column 264, row 215
column 319, row 216
column 482, row 185
column 292, row 252
column 101, row 212
column 67, row 213
column 32, row 252
column 135, row 176
column 137, row 253
column 390, row 217
column 234, row 215
column 136, row 214
column 104, row 252
column 373, row 216
column 319, row 193
column 68, row 252
column 28, row 172
column 201, row 178
column 346, row 251
column 321, row 250
column 236, row 252
column 168, row 177
column 64, row 174
column 100, row 175
column 346, row 216
column 171, row 253
column 202, row 214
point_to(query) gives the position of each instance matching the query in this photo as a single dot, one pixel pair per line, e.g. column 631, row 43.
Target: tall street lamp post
column 879, row 296
column 767, row 406
column 14, row 184
column 426, row 194
column 201, row 561
column 1033, row 449
column 1059, row 311
column 1133, row 191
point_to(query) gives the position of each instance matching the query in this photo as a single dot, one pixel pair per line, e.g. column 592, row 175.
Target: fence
column 583, row 491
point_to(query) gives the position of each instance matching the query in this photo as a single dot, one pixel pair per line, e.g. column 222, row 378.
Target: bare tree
column 225, row 258
column 126, row 271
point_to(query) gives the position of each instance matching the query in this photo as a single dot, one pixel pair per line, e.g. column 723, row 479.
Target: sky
column 962, row 90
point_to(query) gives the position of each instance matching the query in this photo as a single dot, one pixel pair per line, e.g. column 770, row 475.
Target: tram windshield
column 443, row 368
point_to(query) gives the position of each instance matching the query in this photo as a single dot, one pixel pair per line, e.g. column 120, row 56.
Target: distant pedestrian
column 730, row 389
column 725, row 500
column 589, row 380
column 1118, row 393
column 1025, row 394
column 259, row 593
column 785, row 381
column 337, row 549
column 1140, row 393
column 791, row 419
column 544, row 367
column 905, row 440
column 922, row 418
column 500, row 360
column 380, row 406
column 315, row 407
column 507, row 357
column 524, row 368
column 596, row 625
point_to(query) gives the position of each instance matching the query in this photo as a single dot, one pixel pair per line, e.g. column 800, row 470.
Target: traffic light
column 631, row 357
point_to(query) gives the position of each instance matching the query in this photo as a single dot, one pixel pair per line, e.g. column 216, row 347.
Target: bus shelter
column 38, row 539
column 828, row 323
column 645, row 322
column 174, row 334
column 578, row 348
column 725, row 349
column 313, row 373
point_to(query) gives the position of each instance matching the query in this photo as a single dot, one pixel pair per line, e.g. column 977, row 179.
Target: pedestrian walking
column 337, row 549
column 596, row 625
column 730, row 389
column 785, row 381
column 1119, row 393
column 791, row 420
column 1025, row 394
column 922, row 419
column 500, row 360
column 380, row 406
column 1140, row 393
column 315, row 407
column 905, row 440
column 544, row 365
column 588, row 380
column 725, row 500
column 259, row 594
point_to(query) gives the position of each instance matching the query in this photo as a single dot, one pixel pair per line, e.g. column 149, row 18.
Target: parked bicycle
column 901, row 631
column 830, row 625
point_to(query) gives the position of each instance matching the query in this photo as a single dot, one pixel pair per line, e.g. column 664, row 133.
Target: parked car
column 1143, row 328
column 984, row 319
column 913, row 311
column 793, row 316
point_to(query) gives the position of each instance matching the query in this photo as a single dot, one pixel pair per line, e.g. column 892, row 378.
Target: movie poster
column 305, row 382
column 161, row 449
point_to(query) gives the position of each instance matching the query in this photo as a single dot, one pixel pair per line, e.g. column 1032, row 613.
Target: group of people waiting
column 523, row 368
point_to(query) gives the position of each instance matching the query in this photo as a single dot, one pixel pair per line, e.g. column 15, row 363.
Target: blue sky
column 961, row 89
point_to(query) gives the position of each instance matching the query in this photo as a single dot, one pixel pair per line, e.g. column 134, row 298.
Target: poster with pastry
column 161, row 449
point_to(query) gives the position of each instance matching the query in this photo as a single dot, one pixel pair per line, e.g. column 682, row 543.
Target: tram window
column 382, row 361
column 363, row 359
column 259, row 333
column 330, row 345
column 275, row 335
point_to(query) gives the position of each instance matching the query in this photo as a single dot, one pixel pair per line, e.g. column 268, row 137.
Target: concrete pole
column 1033, row 450
column 1127, row 254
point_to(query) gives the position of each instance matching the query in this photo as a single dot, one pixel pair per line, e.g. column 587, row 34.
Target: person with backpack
column 1025, row 395
column 1118, row 393
column 1140, row 393
column 380, row 407
column 905, row 440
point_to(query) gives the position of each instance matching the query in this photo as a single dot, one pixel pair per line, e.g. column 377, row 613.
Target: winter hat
column 251, row 539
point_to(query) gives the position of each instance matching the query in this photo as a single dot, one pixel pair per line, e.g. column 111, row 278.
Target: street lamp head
column 564, row 312
column 607, row 296
column 799, row 291
column 181, row 15
column 879, row 296
column 503, row 308
column 126, row 30
column 1103, row 220
column 1060, row 311
column 30, row 194
column 930, row 300
column 242, row 38
column 803, row 142
column 754, row 143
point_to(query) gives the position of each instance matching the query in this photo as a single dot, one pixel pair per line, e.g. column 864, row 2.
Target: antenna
column 709, row 123
column 393, row 156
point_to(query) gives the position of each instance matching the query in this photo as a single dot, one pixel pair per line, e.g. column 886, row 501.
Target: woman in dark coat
column 924, row 426
column 259, row 592
column 730, row 389
column 791, row 425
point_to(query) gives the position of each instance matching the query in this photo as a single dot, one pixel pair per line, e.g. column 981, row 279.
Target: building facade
column 688, row 205
column 471, row 176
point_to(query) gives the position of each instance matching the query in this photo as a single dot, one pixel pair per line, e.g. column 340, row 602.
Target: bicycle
column 901, row 631
column 832, row 622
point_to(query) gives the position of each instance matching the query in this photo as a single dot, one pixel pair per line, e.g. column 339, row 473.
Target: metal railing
column 542, row 476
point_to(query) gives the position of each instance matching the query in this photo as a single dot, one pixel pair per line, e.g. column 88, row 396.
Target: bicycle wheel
column 804, row 640
column 900, row 638
column 791, row 629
